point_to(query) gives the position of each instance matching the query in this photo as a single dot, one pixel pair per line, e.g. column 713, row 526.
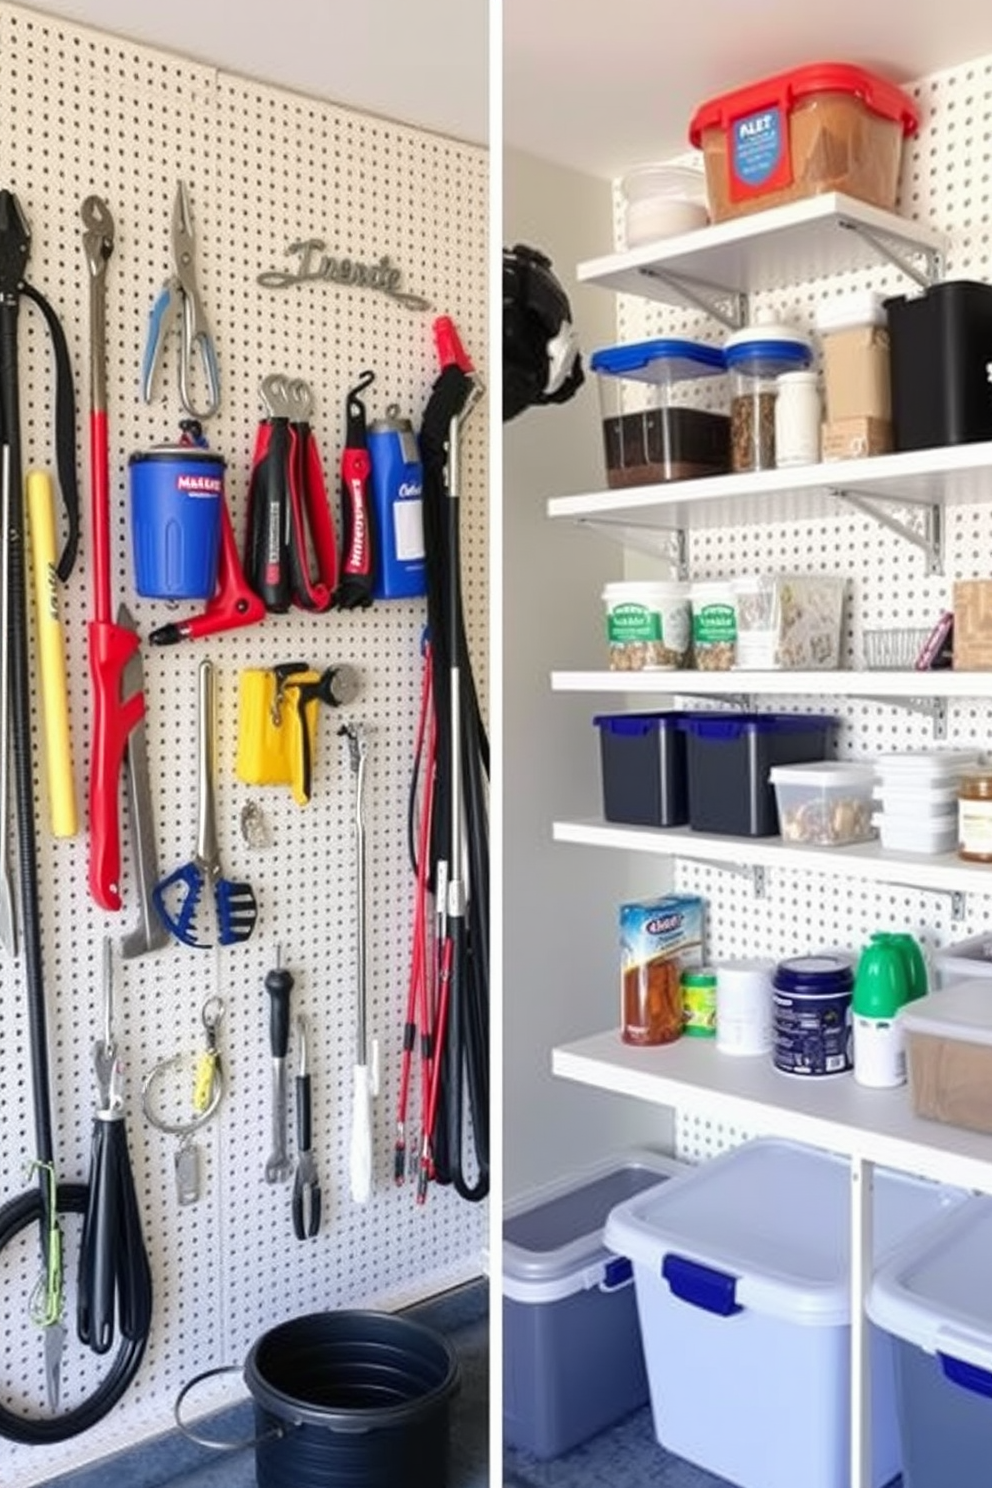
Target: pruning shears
column 181, row 296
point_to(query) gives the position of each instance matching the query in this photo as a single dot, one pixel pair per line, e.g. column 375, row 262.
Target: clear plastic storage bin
column 826, row 804
column 651, row 431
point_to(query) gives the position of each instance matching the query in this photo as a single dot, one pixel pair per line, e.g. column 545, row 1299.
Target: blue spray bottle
column 397, row 497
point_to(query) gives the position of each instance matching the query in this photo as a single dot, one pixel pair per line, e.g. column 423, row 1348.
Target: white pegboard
column 82, row 112
column 945, row 181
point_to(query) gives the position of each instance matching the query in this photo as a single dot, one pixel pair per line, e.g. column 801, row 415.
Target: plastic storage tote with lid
column 649, row 432
column 756, row 357
column 728, row 761
column 949, row 1054
column 642, row 760
column 572, row 1358
column 934, row 1299
column 964, row 959
column 827, row 126
column 742, row 1272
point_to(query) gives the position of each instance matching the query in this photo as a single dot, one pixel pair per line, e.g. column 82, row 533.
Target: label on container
column 759, row 153
column 633, row 622
column 713, row 624
column 812, row 1033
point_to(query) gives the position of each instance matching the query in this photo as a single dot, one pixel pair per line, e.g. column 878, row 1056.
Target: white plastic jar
column 714, row 625
column 798, row 414
column 648, row 625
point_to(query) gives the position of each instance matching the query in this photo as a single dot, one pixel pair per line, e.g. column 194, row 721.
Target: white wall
column 554, row 987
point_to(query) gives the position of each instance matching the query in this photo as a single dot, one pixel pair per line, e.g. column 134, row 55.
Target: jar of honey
column 975, row 817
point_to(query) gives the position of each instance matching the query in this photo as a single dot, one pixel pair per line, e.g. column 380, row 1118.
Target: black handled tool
column 306, row 1187
column 278, row 984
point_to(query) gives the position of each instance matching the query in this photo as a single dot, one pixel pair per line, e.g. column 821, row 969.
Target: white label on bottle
column 408, row 530
column 975, row 826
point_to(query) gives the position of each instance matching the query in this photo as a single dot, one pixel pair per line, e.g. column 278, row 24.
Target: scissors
column 180, row 293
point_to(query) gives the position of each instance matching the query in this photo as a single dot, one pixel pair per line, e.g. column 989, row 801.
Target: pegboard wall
column 947, row 181
column 84, row 113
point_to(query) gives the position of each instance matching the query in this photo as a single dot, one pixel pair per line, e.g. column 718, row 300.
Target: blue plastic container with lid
column 811, row 1016
column 177, row 498
column 756, row 357
column 643, row 762
column 650, row 432
column 728, row 761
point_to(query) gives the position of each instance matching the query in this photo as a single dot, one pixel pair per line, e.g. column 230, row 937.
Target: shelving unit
column 715, row 270
column 717, row 267
column 874, row 1125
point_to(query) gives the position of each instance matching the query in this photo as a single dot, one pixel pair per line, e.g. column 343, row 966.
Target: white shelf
column 947, row 475
column 837, row 1114
column 879, row 684
column 867, row 861
column 786, row 245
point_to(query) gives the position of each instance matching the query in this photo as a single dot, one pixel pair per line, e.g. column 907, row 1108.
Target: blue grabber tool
column 181, row 296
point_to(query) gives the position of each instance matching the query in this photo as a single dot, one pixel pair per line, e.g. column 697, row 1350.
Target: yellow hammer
column 51, row 656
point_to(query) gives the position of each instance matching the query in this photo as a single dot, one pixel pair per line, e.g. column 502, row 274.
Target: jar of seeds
column 756, row 357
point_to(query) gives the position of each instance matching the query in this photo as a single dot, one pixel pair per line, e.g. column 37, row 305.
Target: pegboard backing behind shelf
column 946, row 180
column 81, row 112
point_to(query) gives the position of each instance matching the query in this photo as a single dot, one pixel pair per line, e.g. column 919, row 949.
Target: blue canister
column 177, row 495
column 811, row 1016
column 397, row 480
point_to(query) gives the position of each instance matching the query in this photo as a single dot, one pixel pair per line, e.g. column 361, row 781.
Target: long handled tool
column 461, row 848
column 234, row 908
column 8, row 922
column 279, row 985
column 110, row 645
column 366, row 1071
column 51, row 657
column 43, row 1205
column 306, row 1185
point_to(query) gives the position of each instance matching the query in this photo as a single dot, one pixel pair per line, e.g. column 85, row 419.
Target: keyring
column 210, row 1014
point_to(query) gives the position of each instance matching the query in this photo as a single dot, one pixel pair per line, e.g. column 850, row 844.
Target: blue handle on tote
column 701, row 1286
column 968, row 1376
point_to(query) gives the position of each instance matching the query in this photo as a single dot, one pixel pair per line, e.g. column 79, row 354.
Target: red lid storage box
column 829, row 126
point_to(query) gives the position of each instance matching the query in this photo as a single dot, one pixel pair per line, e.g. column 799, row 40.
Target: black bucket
column 350, row 1400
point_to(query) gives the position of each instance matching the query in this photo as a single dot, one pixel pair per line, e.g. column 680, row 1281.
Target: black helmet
column 541, row 362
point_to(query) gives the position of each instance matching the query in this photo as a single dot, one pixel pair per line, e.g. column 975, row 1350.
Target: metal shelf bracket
column 933, row 708
column 667, row 543
column 897, row 251
column 930, row 540
column 754, row 871
column 728, row 306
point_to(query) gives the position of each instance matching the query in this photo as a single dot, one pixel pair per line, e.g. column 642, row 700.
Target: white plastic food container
column 648, row 625
column 929, row 768
column 926, row 835
column 742, row 1271
column 966, row 958
column 789, row 621
column 661, row 201
column 826, row 804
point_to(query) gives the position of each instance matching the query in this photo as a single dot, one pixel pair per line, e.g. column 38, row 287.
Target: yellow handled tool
column 51, row 656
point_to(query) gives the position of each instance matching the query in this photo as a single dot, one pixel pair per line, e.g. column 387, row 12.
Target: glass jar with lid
column 756, row 357
column 975, row 816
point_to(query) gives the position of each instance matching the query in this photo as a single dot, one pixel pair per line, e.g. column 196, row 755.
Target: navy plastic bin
column 728, row 759
column 643, row 760
column 573, row 1363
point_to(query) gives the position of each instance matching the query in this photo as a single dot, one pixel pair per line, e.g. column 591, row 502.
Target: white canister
column 879, row 1052
column 744, row 1006
column 714, row 624
column 648, row 625
column 797, row 419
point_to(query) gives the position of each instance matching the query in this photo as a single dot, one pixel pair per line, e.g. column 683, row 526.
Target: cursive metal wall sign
column 316, row 264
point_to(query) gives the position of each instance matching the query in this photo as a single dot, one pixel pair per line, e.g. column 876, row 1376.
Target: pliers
column 180, row 293
column 306, row 1185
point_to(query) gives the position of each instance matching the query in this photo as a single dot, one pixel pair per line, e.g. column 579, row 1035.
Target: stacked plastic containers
column 917, row 795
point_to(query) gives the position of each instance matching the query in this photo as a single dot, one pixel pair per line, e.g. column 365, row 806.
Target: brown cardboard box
column 851, row 438
column 856, row 374
column 973, row 625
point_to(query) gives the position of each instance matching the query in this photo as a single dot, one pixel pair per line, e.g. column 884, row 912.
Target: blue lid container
column 729, row 760
column 643, row 762
column 811, row 1016
column 737, row 725
column 669, row 359
column 812, row 975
